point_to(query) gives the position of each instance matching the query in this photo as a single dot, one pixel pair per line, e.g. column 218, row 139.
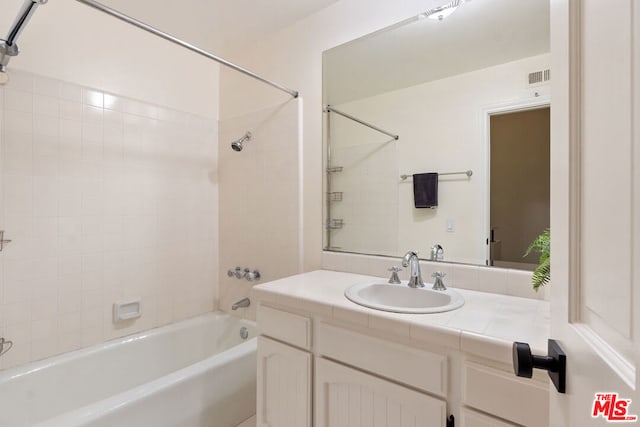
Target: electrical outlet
column 451, row 225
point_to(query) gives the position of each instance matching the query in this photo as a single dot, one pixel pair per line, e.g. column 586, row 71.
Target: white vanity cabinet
column 499, row 392
column 284, row 385
column 314, row 371
column 471, row 418
column 284, row 372
column 346, row 397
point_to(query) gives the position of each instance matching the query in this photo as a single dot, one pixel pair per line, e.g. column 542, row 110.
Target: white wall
column 72, row 42
column 293, row 57
column 441, row 128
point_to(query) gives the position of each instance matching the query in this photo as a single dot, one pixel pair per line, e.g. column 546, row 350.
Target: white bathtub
column 198, row 372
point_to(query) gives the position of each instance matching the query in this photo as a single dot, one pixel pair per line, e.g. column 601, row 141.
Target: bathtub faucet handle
column 252, row 275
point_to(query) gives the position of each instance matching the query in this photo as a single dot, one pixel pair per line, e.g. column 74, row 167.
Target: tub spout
column 244, row 302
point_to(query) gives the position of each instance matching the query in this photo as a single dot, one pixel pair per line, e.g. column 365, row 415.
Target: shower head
column 6, row 52
column 238, row 145
column 4, row 75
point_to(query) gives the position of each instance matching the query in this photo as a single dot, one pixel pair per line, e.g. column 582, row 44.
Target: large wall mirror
column 462, row 92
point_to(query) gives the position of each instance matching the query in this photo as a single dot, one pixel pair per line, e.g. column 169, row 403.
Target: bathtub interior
column 54, row 386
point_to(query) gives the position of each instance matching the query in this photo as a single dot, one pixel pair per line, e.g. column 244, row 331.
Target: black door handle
column 555, row 363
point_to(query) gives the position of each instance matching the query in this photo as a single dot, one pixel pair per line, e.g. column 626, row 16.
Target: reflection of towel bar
column 468, row 173
column 335, row 224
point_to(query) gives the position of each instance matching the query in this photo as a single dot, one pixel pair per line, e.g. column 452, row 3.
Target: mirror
column 467, row 96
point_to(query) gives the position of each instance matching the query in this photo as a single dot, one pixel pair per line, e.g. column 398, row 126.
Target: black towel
column 425, row 190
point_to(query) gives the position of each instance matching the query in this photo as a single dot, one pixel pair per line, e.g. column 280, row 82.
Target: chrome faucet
column 244, row 302
column 437, row 252
column 411, row 260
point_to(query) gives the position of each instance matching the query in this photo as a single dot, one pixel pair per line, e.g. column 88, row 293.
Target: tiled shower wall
column 104, row 198
column 259, row 200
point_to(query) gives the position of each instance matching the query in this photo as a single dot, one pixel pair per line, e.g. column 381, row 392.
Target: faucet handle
column 438, row 284
column 253, row 275
column 394, row 279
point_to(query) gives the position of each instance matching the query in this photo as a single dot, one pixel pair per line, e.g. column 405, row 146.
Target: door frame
column 526, row 104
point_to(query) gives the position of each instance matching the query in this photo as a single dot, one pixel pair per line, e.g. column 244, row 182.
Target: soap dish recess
column 127, row 309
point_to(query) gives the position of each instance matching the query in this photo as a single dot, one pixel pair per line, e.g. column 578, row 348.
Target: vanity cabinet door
column 471, row 418
column 284, row 385
column 345, row 397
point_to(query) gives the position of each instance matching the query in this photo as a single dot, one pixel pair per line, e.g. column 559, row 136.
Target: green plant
column 542, row 245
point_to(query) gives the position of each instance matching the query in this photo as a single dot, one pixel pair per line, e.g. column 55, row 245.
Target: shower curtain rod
column 121, row 16
column 330, row 109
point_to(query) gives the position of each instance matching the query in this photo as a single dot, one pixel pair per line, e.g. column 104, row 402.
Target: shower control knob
column 253, row 275
column 238, row 273
column 231, row 273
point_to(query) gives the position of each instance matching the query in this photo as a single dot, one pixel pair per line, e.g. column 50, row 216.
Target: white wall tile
column 86, row 177
column 70, row 110
column 46, row 125
column 92, row 114
column 113, row 102
column 93, row 98
column 22, row 81
column 46, row 145
column 70, row 92
column 18, row 312
column 45, row 196
column 46, row 105
column 18, row 121
column 46, row 86
column 43, row 310
column 18, row 100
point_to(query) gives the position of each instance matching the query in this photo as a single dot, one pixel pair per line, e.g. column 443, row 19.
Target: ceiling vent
column 539, row 77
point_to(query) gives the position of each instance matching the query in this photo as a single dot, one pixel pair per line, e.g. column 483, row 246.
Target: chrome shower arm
column 8, row 46
column 27, row 10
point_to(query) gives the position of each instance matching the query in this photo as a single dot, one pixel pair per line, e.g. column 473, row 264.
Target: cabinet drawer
column 471, row 418
column 418, row 368
column 283, row 326
column 501, row 393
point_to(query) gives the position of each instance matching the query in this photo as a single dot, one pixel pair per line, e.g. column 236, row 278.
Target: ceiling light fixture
column 441, row 12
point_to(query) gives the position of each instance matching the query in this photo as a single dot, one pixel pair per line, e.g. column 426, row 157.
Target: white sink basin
column 403, row 299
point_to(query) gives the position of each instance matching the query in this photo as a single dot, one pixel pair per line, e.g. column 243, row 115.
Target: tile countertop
column 485, row 326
